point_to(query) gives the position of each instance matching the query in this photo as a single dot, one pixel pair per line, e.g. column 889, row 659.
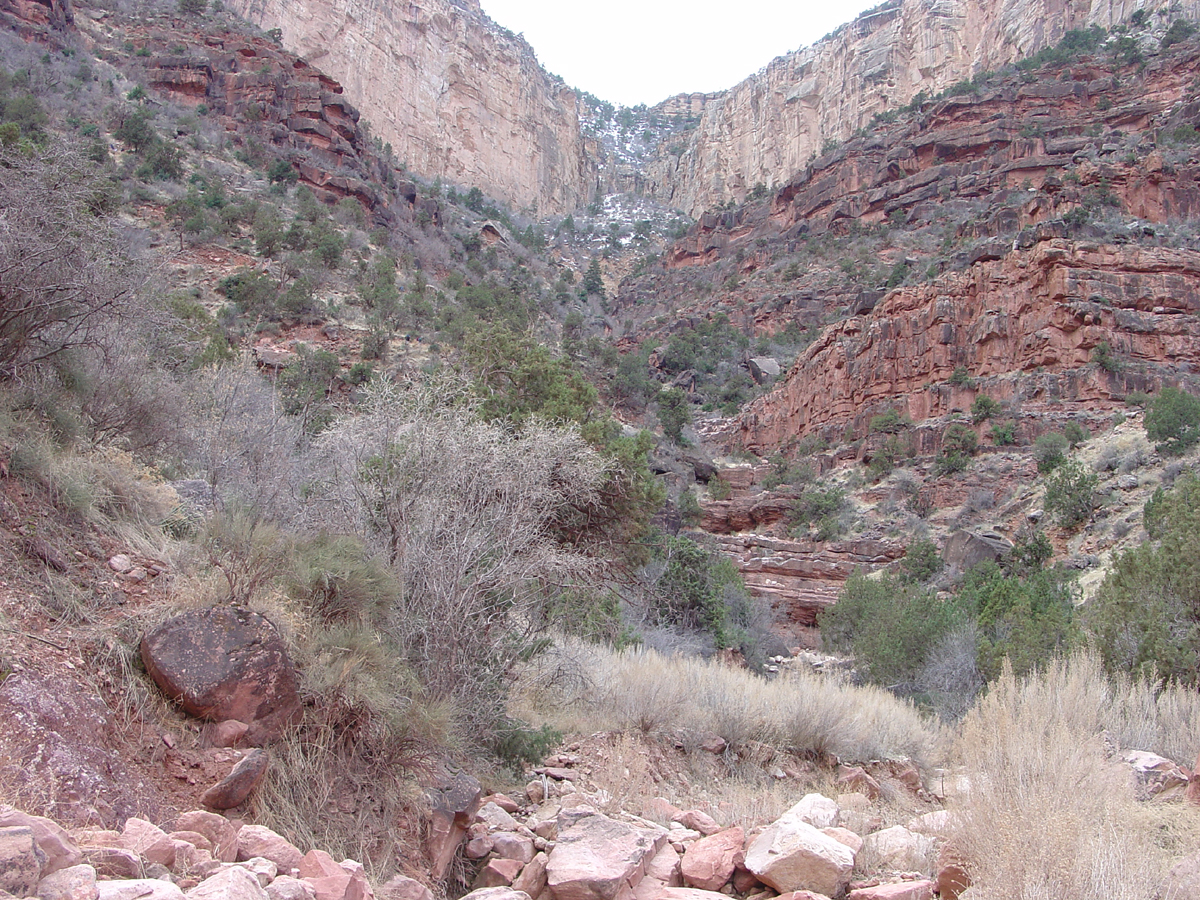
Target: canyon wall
column 771, row 125
column 455, row 95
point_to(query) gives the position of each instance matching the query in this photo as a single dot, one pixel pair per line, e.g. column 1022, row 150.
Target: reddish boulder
column 52, row 839
column 708, row 864
column 225, row 663
column 234, row 788
column 21, row 861
column 902, row 890
column 498, row 873
column 220, row 833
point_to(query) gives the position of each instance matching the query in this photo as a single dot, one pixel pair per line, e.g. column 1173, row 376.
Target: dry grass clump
column 1050, row 811
column 581, row 687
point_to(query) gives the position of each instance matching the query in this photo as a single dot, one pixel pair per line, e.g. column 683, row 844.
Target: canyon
column 461, row 98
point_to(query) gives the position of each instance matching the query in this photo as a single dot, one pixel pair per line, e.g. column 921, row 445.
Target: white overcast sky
column 643, row 51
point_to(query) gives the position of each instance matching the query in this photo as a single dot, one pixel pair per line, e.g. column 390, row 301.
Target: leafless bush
column 463, row 510
column 64, row 275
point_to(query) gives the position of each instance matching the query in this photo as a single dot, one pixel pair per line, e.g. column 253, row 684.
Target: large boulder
column 901, row 890
column 148, row 841
column 598, row 858
column 138, row 889
column 258, row 840
column 708, row 864
column 792, row 855
column 21, row 861
column 225, row 663
column 52, row 839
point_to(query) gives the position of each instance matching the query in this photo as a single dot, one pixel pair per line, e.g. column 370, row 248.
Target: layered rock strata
column 456, row 96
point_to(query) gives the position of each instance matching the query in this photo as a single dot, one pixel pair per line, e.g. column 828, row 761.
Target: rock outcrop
column 1026, row 323
column 457, row 96
column 771, row 125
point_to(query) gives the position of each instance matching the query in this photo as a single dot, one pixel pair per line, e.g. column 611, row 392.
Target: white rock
column 792, row 855
column 138, row 889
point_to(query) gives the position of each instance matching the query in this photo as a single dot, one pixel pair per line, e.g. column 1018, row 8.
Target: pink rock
column 285, row 887
column 52, row 839
column 400, row 887
column 507, row 845
column 229, row 733
column 597, row 858
column 697, row 821
column 256, row 840
column 195, row 838
column 503, row 801
column 221, row 833
column 532, row 879
column 138, row 889
column 330, row 887
column 113, row 862
column 235, row 788
column 498, row 873
column 665, row 867
column 232, row 883
column 802, row 895
column 21, row 860
column 791, row 855
column 854, row 779
column 845, row 836
column 903, row 890
column 148, row 841
column 708, row 864
column 71, row 883
column 319, row 864
column 456, row 800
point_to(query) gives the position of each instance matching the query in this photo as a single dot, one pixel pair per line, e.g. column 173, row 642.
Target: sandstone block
column 697, row 821
column 496, row 893
column 708, row 864
column 597, row 858
column 902, row 890
column 60, row 849
column 513, row 846
column 792, row 855
column 138, row 889
column 846, row 836
column 71, row 883
column 257, row 840
column 815, row 809
column 498, row 873
column 220, row 832
column 532, row 879
column 148, row 841
column 263, row 870
column 455, row 800
column 114, row 862
column 285, row 887
column 21, row 861
column 233, row 883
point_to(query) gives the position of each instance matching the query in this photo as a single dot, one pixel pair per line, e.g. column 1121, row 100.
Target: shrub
column 1145, row 617
column 674, row 412
column 922, row 560
column 1075, row 434
column 1173, row 420
column 890, row 625
column 1049, row 451
column 984, row 408
column 961, row 377
column 696, row 588
column 518, row 745
column 1004, row 434
column 959, row 438
column 719, row 488
column 1180, row 30
column 1071, row 493
column 821, row 507
column 1054, row 815
column 1102, row 355
column 338, row 580
column 890, row 422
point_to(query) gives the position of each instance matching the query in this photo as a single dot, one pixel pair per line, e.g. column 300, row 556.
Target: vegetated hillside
column 284, row 376
column 1008, row 260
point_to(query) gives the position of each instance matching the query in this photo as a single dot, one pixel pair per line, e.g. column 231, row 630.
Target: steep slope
column 455, row 95
column 770, row 125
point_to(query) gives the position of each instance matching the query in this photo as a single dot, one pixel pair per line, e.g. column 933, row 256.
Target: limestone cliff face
column 770, row 126
column 455, row 95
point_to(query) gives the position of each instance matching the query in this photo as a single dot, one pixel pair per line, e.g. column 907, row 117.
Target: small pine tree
column 593, row 280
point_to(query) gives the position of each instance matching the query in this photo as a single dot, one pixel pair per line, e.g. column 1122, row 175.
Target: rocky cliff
column 771, row 125
column 454, row 94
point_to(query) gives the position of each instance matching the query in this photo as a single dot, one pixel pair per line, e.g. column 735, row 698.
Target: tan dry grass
column 1050, row 811
column 581, row 688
